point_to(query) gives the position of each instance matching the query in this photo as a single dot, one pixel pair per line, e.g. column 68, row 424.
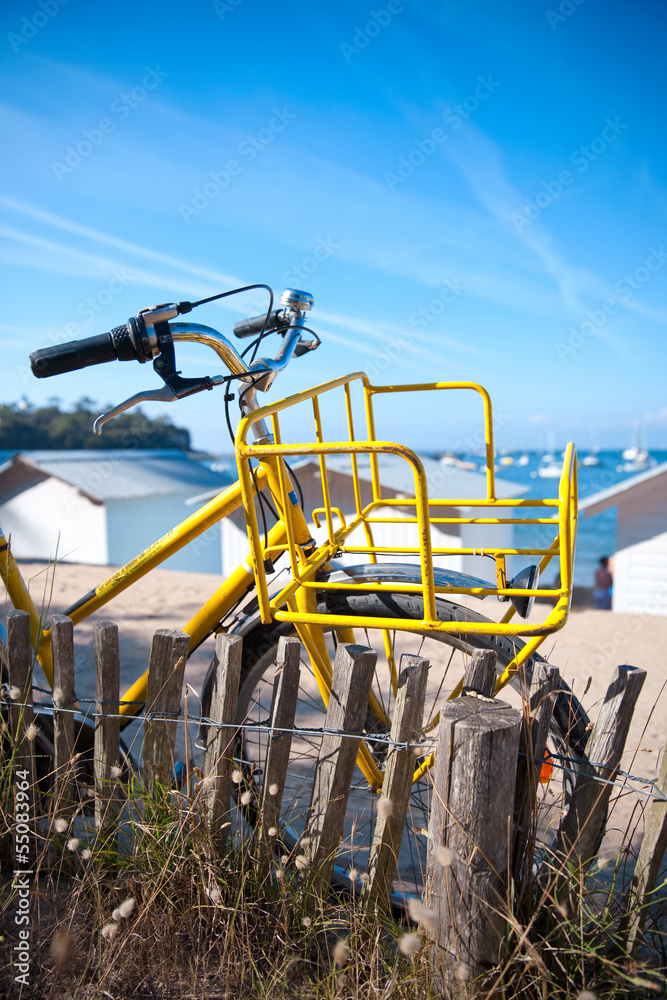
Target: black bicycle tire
column 569, row 720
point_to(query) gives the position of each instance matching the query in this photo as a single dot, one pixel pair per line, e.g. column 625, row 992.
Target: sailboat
column 592, row 458
column 636, row 458
column 549, row 468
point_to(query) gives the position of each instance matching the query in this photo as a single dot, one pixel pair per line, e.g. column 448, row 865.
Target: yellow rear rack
column 338, row 534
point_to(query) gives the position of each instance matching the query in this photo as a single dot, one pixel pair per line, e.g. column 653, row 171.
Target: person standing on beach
column 603, row 584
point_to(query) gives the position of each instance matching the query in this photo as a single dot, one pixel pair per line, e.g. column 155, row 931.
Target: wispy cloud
column 219, row 278
column 480, row 162
column 61, row 258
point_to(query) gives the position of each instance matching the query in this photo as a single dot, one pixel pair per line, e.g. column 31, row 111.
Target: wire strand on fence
column 558, row 761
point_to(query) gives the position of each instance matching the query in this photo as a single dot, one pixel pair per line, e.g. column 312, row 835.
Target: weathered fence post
column 346, row 714
column 283, row 711
column 644, row 877
column 538, row 710
column 219, row 760
column 581, row 829
column 406, row 727
column 19, row 667
column 107, row 723
column 471, row 815
column 62, row 644
column 165, row 684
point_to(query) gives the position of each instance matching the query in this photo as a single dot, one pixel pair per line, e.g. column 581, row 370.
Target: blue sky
column 470, row 190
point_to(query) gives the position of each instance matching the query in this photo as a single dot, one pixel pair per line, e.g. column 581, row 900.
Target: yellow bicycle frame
column 296, row 601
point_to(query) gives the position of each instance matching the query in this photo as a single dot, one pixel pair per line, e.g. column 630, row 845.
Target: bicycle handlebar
column 150, row 336
column 130, row 342
column 253, row 326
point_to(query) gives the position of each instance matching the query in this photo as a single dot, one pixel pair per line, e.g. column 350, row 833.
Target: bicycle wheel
column 448, row 655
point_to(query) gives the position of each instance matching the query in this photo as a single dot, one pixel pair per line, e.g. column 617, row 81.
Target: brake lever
column 306, row 345
column 164, row 395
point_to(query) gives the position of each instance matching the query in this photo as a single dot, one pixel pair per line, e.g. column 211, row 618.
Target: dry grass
column 160, row 913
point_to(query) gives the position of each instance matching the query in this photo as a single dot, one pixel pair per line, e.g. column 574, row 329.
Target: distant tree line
column 24, row 427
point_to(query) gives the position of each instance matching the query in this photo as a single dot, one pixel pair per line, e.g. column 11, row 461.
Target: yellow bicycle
column 390, row 589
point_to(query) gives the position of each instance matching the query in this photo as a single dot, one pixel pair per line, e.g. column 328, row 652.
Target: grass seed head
column 301, row 862
column 126, row 907
column 73, row 844
column 307, row 921
column 116, row 772
column 31, row 731
column 587, row 995
column 246, row 798
column 61, row 947
column 109, row 931
column 86, row 854
column 445, row 856
column 273, row 789
column 462, row 972
column 61, row 825
column 421, row 914
column 410, row 944
column 385, row 807
column 237, row 776
column 272, row 831
column 15, row 693
column 341, row 953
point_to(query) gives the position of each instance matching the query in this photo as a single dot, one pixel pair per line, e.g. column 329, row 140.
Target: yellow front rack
column 355, row 531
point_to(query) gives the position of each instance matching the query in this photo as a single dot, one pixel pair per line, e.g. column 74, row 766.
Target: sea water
column 596, row 536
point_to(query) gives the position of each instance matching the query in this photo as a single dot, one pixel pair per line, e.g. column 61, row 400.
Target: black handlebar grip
column 251, row 327
column 128, row 342
column 70, row 357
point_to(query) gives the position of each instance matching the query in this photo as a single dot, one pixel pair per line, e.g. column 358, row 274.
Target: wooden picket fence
column 485, row 777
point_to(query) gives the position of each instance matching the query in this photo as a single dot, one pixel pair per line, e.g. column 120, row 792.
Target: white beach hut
column 640, row 560
column 104, row 507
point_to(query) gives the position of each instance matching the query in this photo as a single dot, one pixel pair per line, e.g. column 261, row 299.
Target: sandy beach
column 587, row 651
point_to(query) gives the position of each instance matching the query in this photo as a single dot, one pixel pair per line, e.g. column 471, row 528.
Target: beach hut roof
column 613, row 494
column 121, row 474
